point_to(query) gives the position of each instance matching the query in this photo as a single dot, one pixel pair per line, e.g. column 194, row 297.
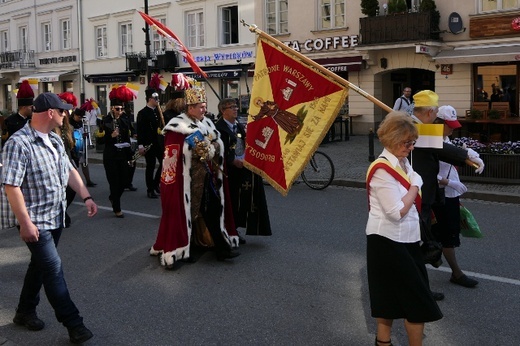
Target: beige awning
column 478, row 54
column 46, row 76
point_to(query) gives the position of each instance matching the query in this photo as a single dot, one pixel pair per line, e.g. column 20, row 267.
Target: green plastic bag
column 468, row 225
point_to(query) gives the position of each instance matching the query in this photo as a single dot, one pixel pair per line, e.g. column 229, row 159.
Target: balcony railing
column 17, row 59
column 392, row 28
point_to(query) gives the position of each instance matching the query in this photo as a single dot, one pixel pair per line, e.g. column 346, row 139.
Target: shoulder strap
column 383, row 163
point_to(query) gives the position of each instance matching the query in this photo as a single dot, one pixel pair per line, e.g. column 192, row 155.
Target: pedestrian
column 403, row 102
column 447, row 228
column 116, row 153
column 148, row 133
column 37, row 171
column 194, row 208
column 397, row 277
column 80, row 130
column 425, row 161
column 128, row 115
column 16, row 121
column 246, row 189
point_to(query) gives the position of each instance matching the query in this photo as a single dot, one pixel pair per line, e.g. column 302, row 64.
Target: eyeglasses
column 409, row 144
column 118, row 108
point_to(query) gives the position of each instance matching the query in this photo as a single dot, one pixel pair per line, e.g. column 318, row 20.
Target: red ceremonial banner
column 292, row 107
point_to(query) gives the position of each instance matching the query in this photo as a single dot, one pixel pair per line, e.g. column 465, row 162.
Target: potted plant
column 475, row 114
column 369, row 7
column 429, row 6
column 493, row 114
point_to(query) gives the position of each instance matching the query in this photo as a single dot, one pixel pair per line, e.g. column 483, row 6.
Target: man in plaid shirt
column 35, row 174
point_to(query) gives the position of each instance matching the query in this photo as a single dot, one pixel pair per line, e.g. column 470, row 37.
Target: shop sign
column 327, row 43
column 222, row 56
column 58, row 60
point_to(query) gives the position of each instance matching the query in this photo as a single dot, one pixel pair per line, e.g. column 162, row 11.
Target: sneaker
column 79, row 334
column 30, row 321
column 464, row 281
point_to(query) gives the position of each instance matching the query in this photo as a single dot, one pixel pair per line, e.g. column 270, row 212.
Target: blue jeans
column 45, row 269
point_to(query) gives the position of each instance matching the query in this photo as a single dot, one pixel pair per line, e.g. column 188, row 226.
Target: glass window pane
column 489, row 5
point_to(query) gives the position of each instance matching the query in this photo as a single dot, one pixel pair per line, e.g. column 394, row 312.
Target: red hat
column 25, row 94
column 69, row 98
column 449, row 115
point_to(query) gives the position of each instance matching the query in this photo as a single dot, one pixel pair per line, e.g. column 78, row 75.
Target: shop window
column 68, row 86
column 101, row 98
column 48, row 87
column 230, row 88
column 497, row 83
column 8, row 97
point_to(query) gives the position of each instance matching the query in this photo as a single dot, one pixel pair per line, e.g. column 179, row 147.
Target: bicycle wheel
column 319, row 172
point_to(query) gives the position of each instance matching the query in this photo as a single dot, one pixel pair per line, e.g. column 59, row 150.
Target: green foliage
column 429, row 6
column 369, row 7
column 493, row 114
column 401, row 6
column 475, row 114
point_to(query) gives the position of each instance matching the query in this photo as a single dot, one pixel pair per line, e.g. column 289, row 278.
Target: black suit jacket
column 230, row 140
column 147, row 124
column 14, row 122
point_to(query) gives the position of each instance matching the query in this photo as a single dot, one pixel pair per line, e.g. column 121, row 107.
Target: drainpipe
column 80, row 53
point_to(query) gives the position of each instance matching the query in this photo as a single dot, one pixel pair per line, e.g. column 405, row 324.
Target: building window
column 46, row 39
column 195, row 29
column 230, row 88
column 493, row 5
column 332, row 14
column 126, row 38
column 24, row 38
column 4, row 45
column 276, row 12
column 229, row 31
column 101, row 98
column 158, row 41
column 101, row 41
column 48, row 87
column 65, row 34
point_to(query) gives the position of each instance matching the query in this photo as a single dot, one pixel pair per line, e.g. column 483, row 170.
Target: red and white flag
column 176, row 43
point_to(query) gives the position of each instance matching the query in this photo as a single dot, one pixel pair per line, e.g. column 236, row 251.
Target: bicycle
column 319, row 172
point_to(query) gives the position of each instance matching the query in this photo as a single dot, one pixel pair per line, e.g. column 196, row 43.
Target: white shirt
column 385, row 199
column 444, row 170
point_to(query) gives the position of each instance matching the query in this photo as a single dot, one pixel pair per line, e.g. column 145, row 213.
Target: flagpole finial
column 252, row 27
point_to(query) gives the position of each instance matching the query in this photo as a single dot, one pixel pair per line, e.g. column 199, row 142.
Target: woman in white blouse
column 397, row 277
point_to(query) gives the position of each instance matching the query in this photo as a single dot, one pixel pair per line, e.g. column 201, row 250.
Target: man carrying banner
column 246, row 188
column 425, row 160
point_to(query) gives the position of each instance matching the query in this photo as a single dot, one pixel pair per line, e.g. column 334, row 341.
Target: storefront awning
column 479, row 54
column 343, row 64
column 217, row 71
column 46, row 76
column 120, row 77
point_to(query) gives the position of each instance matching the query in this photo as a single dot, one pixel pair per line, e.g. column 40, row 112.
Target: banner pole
column 342, row 81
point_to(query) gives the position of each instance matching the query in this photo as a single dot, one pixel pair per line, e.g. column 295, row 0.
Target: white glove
column 416, row 179
column 457, row 186
column 472, row 153
column 480, row 164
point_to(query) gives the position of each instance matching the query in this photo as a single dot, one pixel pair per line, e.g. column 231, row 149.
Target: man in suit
column 425, row 161
column 246, row 188
column 148, row 125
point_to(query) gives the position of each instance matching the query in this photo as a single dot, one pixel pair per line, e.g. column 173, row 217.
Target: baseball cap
column 449, row 115
column 426, row 98
column 48, row 101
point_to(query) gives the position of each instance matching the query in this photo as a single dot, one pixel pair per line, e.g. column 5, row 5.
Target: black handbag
column 430, row 248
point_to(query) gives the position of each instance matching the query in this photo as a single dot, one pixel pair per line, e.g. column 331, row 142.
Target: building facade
column 39, row 40
column 475, row 47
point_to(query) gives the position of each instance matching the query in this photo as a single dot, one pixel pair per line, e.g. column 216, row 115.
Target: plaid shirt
column 30, row 164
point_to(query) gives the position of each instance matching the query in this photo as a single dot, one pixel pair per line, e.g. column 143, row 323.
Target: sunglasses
column 118, row 108
column 61, row 111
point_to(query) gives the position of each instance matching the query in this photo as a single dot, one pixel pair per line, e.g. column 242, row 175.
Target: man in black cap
column 35, row 182
column 148, row 132
column 17, row 120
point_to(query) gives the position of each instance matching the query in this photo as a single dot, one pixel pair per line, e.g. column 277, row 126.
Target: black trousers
column 152, row 180
column 211, row 209
column 116, row 170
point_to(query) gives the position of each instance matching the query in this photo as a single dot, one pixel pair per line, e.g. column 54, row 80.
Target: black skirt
column 398, row 281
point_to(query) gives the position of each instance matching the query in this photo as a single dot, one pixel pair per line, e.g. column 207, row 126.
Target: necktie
column 234, row 128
